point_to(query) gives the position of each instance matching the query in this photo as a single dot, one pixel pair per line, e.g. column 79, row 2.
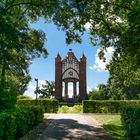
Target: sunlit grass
column 112, row 124
column 74, row 109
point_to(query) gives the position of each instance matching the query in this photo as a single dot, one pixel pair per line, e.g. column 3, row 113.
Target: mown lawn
column 112, row 124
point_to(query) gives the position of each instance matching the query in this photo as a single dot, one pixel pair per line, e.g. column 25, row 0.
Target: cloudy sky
column 44, row 69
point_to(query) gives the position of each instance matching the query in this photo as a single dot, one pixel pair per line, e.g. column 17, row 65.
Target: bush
column 67, row 104
column 62, row 104
column 27, row 118
column 7, row 126
column 77, row 109
column 23, row 97
column 74, row 109
column 106, row 106
column 7, row 99
column 49, row 105
column 16, row 123
column 63, row 109
column 95, row 95
column 131, row 120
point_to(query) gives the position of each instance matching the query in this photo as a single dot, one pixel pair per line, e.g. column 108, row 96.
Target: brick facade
column 58, row 77
column 81, row 77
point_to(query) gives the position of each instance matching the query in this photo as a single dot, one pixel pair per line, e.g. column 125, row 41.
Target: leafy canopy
column 113, row 23
column 47, row 90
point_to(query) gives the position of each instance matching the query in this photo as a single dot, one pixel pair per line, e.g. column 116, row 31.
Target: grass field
column 112, row 124
column 74, row 109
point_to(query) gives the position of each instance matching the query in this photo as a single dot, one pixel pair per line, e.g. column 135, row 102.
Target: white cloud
column 88, row 89
column 99, row 64
column 96, row 88
column 88, row 25
column 41, row 82
column 32, row 87
column 30, row 91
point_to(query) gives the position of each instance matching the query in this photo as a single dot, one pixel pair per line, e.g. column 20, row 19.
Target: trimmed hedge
column 7, row 99
column 106, row 106
column 62, row 104
column 49, row 105
column 7, row 126
column 131, row 121
column 66, row 104
column 16, row 123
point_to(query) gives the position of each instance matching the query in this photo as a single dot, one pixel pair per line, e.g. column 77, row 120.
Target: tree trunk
column 2, row 81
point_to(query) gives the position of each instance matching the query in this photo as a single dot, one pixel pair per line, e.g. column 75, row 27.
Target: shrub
column 16, row 123
column 95, row 95
column 74, row 109
column 77, row 109
column 23, row 97
column 131, row 120
column 63, row 109
column 62, row 104
column 65, row 103
column 27, row 118
column 7, row 99
column 49, row 105
column 106, row 106
column 7, row 126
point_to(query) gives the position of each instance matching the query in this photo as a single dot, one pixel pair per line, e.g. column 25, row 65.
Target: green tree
column 102, row 93
column 113, row 23
column 47, row 90
column 19, row 44
column 94, row 95
column 124, row 80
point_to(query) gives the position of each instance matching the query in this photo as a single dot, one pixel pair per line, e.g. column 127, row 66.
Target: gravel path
column 73, row 127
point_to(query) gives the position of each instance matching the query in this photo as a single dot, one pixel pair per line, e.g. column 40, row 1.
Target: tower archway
column 70, row 70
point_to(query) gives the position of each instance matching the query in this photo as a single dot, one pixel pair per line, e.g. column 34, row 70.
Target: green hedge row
column 106, row 106
column 131, row 122
column 16, row 123
column 49, row 105
column 66, row 104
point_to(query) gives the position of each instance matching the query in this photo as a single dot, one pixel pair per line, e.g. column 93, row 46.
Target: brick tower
column 70, row 70
column 58, row 77
column 82, row 78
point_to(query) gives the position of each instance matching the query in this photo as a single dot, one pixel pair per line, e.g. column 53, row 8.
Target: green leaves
column 130, row 119
column 19, row 44
column 47, row 90
column 114, row 23
column 124, row 78
column 101, row 94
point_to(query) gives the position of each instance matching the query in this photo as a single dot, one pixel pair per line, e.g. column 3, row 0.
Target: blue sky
column 44, row 69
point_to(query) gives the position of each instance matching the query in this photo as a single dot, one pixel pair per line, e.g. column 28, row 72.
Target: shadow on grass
column 116, row 130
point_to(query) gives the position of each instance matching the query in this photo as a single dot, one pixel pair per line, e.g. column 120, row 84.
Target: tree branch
column 108, row 26
column 22, row 3
column 117, row 5
column 12, row 2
